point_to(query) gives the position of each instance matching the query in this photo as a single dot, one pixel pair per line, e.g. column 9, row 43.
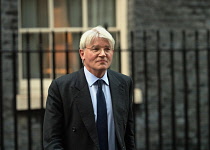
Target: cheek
column 90, row 57
column 110, row 57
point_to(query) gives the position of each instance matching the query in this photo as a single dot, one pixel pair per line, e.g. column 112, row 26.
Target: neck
column 97, row 73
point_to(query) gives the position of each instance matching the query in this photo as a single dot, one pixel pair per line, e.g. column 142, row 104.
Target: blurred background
column 163, row 45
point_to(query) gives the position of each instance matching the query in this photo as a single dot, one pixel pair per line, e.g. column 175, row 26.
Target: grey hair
column 93, row 33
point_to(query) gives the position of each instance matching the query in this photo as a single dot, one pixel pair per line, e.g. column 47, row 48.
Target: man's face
column 97, row 56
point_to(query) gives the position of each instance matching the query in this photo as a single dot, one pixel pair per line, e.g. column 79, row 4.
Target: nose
column 102, row 53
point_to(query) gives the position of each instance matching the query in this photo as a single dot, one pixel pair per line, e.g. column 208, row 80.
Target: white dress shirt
column 91, row 79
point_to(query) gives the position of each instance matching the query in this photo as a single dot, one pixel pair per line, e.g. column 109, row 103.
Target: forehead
column 99, row 42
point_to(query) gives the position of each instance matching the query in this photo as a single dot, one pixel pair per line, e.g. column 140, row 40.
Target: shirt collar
column 91, row 79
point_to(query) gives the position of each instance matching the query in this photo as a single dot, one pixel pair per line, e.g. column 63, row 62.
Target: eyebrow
column 100, row 46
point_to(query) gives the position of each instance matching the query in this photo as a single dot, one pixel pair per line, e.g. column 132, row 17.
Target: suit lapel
column 84, row 104
column 85, row 107
column 118, row 103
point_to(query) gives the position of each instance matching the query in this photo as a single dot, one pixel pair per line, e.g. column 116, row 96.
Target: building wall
column 172, row 14
column 9, row 24
column 167, row 16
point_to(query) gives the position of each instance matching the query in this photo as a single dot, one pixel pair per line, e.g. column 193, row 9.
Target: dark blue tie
column 102, row 118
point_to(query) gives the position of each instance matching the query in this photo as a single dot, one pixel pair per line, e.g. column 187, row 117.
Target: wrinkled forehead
column 99, row 41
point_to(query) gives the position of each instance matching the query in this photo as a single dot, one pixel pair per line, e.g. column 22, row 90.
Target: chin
column 103, row 67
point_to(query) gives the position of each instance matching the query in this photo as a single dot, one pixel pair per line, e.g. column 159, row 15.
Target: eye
column 107, row 49
column 95, row 49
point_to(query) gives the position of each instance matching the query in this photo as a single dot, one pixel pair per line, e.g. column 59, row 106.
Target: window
column 57, row 25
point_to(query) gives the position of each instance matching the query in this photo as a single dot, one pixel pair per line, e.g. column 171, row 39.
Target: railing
column 173, row 81
column 172, row 71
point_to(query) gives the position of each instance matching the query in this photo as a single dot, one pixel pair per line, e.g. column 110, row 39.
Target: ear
column 82, row 54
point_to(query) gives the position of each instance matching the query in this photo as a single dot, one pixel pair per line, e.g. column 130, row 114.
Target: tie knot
column 100, row 82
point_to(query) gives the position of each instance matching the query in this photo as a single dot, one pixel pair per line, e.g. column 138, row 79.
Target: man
column 91, row 109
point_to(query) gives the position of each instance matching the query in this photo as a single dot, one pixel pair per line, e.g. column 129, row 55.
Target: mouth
column 102, row 61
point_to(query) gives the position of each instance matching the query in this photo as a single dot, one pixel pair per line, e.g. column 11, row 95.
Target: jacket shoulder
column 118, row 75
column 69, row 78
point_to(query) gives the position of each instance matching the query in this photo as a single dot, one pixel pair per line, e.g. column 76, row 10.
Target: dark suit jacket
column 69, row 121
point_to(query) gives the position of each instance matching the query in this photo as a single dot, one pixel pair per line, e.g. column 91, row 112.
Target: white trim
column 19, row 14
column 84, row 14
column 51, row 14
column 22, row 97
column 20, row 67
column 122, row 25
column 51, row 27
column 19, row 42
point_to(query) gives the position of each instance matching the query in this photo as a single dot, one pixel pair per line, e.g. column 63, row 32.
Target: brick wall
column 9, row 24
column 165, row 15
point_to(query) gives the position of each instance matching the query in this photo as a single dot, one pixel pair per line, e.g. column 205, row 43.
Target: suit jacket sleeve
column 129, row 135
column 53, row 120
